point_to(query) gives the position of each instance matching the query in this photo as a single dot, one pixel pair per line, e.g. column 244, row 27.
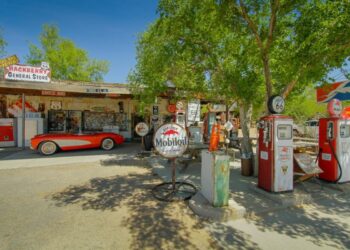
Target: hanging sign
column 9, row 61
column 170, row 140
column 141, row 129
column 193, row 111
column 27, row 73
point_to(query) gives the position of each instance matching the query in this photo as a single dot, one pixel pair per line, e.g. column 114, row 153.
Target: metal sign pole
column 173, row 173
column 23, row 120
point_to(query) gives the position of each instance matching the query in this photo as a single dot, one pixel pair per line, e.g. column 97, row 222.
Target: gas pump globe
column 275, row 152
column 334, row 145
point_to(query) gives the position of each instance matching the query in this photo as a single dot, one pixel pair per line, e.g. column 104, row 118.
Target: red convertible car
column 48, row 144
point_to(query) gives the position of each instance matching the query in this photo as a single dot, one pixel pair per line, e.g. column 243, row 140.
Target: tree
column 228, row 49
column 303, row 106
column 67, row 62
column 2, row 45
column 298, row 41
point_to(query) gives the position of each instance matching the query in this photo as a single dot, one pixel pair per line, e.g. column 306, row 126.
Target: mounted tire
column 107, row 144
column 48, row 148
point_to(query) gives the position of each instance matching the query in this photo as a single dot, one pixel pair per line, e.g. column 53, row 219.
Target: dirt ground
column 92, row 206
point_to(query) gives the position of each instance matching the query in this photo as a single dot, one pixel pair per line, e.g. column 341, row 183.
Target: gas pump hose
column 336, row 158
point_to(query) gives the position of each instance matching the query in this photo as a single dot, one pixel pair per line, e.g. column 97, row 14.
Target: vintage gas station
column 61, row 107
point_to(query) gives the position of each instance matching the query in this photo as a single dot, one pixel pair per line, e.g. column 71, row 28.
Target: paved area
column 93, row 200
column 274, row 223
column 92, row 205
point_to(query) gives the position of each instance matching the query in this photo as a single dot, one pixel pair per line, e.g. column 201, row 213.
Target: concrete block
column 203, row 208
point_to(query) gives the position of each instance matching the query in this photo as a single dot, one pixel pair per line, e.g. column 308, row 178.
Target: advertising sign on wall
column 141, row 129
column 27, row 73
column 338, row 90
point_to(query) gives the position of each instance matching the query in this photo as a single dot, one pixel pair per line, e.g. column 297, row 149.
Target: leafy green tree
column 298, row 41
column 2, row 44
column 304, row 106
column 67, row 62
column 241, row 50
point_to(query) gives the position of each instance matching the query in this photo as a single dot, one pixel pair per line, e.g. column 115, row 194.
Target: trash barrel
column 148, row 141
column 246, row 165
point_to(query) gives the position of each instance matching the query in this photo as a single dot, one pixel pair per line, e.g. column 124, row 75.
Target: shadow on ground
column 18, row 153
column 153, row 224
column 124, row 160
column 150, row 222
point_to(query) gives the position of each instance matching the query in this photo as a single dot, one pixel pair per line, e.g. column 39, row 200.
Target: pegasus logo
column 171, row 132
column 340, row 91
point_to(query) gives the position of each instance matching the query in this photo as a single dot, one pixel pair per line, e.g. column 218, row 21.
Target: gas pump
column 275, row 152
column 334, row 145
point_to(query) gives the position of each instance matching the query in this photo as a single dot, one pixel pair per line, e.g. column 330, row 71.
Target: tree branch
column 251, row 25
column 275, row 4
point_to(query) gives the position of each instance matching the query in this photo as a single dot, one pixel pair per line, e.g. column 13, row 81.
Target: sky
column 106, row 29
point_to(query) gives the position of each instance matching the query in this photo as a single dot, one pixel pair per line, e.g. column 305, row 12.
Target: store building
column 67, row 106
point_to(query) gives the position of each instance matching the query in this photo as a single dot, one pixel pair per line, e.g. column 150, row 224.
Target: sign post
column 171, row 141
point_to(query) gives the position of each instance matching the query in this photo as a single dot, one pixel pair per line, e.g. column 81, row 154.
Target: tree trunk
column 245, row 115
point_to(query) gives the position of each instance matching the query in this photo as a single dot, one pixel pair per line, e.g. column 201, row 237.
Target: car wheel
column 48, row 148
column 107, row 144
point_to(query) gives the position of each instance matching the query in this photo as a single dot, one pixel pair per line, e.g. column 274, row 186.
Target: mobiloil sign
column 170, row 140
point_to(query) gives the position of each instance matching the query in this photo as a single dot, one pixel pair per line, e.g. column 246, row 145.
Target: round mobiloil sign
column 170, row 140
column 141, row 129
column 334, row 107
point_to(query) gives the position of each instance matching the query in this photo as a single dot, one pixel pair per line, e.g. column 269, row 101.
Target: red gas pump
column 275, row 152
column 334, row 145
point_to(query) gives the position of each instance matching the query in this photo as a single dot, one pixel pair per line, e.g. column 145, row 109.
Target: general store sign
column 9, row 61
column 170, row 140
column 27, row 73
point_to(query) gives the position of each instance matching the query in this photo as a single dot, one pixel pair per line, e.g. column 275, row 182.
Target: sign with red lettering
column 170, row 140
column 27, row 73
column 53, row 93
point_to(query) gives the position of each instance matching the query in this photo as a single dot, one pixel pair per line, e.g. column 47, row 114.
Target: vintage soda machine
column 7, row 136
column 275, row 149
column 334, row 145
